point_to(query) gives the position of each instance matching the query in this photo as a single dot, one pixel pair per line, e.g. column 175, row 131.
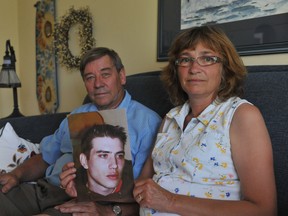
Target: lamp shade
column 8, row 76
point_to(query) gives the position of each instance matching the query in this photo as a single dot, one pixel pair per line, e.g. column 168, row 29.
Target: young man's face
column 105, row 165
column 104, row 83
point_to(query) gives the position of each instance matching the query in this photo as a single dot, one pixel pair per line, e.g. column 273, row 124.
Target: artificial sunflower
column 47, row 29
column 48, row 96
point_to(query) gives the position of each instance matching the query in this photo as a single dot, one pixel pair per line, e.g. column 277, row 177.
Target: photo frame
column 242, row 33
column 102, row 156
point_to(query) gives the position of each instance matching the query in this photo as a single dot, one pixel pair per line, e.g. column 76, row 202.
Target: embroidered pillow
column 14, row 150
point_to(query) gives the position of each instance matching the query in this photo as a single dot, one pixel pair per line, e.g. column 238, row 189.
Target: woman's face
column 200, row 81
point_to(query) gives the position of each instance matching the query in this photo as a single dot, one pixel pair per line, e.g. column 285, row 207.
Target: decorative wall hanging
column 81, row 17
column 46, row 68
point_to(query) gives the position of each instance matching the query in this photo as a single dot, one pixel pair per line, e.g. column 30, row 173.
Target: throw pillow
column 14, row 150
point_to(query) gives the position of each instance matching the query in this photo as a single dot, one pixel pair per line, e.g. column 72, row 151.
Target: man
column 104, row 76
column 103, row 165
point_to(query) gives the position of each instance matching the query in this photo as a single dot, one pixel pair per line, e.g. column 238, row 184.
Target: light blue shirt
column 143, row 124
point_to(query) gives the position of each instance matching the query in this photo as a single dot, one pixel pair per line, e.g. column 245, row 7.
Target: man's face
column 104, row 83
column 105, row 164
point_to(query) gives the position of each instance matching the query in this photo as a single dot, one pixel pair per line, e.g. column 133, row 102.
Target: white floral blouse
column 197, row 162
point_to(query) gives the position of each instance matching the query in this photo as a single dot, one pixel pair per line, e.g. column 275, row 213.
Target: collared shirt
column 143, row 124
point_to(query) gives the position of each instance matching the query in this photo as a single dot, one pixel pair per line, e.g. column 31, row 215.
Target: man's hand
column 84, row 208
column 67, row 179
column 8, row 181
column 31, row 170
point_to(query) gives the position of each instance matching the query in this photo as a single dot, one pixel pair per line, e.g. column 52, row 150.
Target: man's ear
column 122, row 74
column 83, row 160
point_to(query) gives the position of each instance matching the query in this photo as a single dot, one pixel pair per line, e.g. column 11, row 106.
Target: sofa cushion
column 267, row 87
column 14, row 149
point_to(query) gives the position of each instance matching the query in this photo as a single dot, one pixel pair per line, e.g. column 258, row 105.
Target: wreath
column 61, row 35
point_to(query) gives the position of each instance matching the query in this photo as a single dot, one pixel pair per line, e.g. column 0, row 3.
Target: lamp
column 9, row 78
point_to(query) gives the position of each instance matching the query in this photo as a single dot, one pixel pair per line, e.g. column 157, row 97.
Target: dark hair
column 98, row 52
column 234, row 71
column 101, row 130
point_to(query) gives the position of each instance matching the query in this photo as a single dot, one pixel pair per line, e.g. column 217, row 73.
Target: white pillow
column 14, row 150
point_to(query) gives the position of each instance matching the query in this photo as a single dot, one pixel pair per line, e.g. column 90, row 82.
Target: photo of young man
column 102, row 155
column 103, row 158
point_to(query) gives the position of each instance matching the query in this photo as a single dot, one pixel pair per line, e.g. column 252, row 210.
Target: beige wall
column 128, row 26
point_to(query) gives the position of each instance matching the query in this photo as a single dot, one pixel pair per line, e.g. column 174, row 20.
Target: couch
column 266, row 87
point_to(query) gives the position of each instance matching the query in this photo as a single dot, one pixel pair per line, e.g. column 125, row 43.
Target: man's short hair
column 98, row 52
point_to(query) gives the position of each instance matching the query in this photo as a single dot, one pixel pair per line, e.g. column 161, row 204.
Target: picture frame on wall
column 255, row 36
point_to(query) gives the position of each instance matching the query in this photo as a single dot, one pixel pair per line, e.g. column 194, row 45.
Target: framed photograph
column 264, row 33
column 102, row 156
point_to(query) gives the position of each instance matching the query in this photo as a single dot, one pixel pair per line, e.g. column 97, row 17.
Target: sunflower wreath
column 61, row 35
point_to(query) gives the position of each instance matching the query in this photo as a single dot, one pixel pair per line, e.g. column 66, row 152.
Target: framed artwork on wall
column 255, row 27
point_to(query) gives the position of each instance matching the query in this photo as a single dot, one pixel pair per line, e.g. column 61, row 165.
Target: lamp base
column 15, row 113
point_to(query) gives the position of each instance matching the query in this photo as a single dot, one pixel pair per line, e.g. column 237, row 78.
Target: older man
column 104, row 77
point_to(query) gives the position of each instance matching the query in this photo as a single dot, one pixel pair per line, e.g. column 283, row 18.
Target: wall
column 128, row 26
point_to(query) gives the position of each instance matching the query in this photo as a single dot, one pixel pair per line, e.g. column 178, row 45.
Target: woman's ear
column 83, row 160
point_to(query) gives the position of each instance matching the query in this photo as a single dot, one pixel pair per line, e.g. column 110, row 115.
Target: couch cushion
column 34, row 128
column 147, row 89
column 267, row 88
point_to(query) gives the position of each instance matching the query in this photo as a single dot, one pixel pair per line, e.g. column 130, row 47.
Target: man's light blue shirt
column 143, row 124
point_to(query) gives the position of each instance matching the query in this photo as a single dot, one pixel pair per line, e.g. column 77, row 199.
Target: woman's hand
column 150, row 195
column 67, row 178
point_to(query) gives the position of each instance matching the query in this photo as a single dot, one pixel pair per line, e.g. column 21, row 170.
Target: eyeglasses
column 201, row 60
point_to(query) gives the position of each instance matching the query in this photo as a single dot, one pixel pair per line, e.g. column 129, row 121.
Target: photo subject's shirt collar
column 118, row 187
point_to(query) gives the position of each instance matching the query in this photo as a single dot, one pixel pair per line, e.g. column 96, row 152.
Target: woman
column 213, row 154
